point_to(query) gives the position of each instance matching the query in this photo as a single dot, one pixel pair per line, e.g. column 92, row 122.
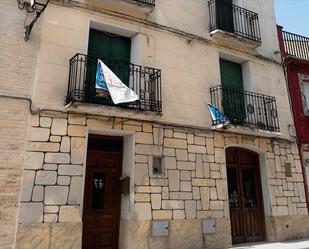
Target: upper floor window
column 117, row 52
column 242, row 107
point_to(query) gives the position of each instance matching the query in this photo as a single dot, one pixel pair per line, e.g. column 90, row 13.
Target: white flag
column 31, row 3
column 118, row 91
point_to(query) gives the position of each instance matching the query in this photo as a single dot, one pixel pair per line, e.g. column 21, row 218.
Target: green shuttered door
column 232, row 91
column 114, row 51
column 225, row 15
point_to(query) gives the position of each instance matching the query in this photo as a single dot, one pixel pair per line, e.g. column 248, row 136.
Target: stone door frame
column 264, row 182
column 127, row 201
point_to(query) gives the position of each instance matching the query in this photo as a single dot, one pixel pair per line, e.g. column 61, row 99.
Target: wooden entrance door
column 102, row 195
column 245, row 196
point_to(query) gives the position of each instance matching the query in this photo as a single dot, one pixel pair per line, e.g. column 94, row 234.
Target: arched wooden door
column 245, row 196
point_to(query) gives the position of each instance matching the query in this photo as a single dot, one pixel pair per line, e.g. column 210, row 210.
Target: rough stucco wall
column 193, row 17
column 188, row 70
column 18, row 62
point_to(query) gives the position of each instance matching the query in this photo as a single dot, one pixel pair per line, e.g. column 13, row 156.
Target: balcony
column 296, row 45
column 145, row 81
column 244, row 108
column 231, row 21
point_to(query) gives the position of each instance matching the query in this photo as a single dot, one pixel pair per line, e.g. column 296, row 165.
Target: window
column 304, row 86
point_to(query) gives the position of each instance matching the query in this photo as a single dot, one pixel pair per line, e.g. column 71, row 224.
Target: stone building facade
column 185, row 205
column 192, row 188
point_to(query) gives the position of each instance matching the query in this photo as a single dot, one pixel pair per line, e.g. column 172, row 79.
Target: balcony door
column 224, row 10
column 245, row 196
column 114, row 51
column 232, row 91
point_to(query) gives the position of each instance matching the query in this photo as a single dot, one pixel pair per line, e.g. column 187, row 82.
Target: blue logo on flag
column 217, row 116
column 100, row 82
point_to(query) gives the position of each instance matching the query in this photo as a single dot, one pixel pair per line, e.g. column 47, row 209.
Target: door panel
column 245, row 196
column 102, row 200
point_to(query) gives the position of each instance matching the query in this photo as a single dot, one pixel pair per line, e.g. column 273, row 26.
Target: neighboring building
column 157, row 173
column 295, row 53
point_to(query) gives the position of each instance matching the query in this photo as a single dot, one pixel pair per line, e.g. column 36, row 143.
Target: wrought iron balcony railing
column 246, row 108
column 224, row 15
column 296, row 45
column 149, row 2
column 145, row 81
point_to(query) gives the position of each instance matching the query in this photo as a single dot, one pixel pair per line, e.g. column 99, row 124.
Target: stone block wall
column 52, row 180
column 287, row 192
column 193, row 186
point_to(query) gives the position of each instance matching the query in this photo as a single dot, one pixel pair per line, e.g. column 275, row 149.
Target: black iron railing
column 149, row 2
column 246, row 108
column 296, row 45
column 231, row 18
column 145, row 81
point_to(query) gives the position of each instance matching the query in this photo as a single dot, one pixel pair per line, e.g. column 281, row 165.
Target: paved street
column 296, row 244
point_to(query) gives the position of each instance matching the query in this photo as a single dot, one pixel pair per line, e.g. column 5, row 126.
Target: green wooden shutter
column 114, row 51
column 231, row 75
column 109, row 46
column 232, row 91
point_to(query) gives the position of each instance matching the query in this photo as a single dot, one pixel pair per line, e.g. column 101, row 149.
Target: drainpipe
column 299, row 144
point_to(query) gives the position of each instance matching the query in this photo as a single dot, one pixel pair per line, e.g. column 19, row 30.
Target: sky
column 293, row 15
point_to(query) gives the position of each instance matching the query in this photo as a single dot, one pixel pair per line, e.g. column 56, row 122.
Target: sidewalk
column 294, row 244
